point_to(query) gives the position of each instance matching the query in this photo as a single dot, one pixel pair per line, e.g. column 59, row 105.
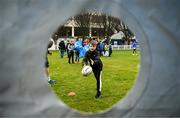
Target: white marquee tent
column 118, row 35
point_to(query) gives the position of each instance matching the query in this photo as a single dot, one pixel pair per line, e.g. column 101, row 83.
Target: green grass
column 118, row 77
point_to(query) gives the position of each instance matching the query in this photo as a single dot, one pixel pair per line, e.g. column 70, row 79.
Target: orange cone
column 71, row 93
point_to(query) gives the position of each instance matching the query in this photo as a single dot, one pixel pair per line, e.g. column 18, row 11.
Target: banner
column 82, row 50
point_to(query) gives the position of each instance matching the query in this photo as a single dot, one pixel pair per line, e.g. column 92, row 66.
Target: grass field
column 119, row 74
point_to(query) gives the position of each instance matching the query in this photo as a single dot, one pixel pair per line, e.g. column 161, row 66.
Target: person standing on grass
column 62, row 48
column 71, row 52
column 134, row 46
column 110, row 49
column 92, row 57
column 77, row 53
column 50, row 81
column 68, row 43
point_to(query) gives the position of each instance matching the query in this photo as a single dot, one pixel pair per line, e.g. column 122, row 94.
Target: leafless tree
column 108, row 24
column 83, row 21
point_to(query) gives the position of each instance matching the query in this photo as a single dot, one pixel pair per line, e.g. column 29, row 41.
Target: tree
column 109, row 24
column 106, row 25
column 127, row 33
column 83, row 22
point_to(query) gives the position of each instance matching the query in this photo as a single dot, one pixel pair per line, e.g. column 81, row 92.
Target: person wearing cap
column 92, row 57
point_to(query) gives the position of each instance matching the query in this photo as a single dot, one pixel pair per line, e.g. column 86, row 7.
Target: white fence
column 122, row 47
column 114, row 47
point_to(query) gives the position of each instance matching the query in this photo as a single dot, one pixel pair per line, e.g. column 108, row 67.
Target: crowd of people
column 104, row 49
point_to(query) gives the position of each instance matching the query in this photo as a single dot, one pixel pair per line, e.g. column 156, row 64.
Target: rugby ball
column 86, row 70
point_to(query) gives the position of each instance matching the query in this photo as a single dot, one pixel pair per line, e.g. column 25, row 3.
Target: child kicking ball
column 92, row 57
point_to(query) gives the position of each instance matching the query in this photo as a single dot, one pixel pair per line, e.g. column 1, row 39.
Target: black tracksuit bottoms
column 97, row 70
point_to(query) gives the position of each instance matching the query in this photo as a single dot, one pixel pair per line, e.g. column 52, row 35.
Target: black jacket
column 62, row 45
column 95, row 57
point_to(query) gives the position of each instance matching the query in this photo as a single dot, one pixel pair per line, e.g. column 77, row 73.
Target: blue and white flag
column 82, row 50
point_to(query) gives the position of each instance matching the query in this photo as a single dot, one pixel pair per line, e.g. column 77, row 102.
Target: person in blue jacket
column 134, row 46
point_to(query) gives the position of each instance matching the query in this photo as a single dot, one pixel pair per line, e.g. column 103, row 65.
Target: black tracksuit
column 97, row 66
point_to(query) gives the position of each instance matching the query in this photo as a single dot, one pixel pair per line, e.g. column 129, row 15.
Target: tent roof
column 118, row 35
